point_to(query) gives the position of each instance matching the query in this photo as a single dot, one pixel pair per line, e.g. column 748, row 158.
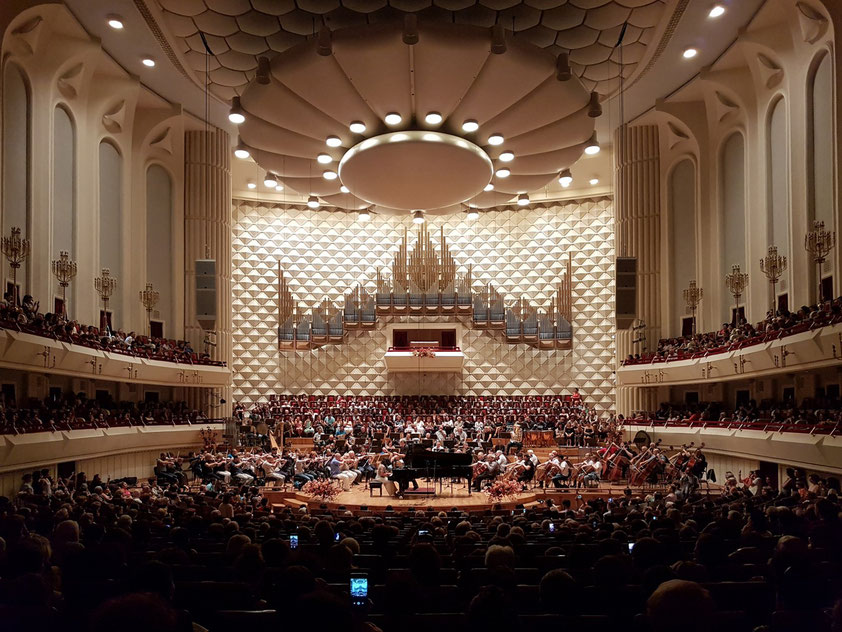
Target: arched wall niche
column 778, row 181
column 160, row 206
column 64, row 189
column 681, row 202
column 111, row 218
column 732, row 185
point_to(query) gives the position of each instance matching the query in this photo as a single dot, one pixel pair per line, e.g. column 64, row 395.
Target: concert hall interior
column 409, row 315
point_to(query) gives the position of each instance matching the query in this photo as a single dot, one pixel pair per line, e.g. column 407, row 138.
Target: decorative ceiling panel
column 253, row 28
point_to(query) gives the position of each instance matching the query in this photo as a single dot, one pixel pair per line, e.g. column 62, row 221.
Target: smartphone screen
column 423, row 532
column 293, row 541
column 359, row 590
column 631, row 546
column 336, row 537
column 552, row 527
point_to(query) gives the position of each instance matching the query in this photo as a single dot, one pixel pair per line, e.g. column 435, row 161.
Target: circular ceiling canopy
column 395, row 170
column 524, row 114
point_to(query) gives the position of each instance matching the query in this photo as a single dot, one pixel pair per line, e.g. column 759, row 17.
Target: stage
column 359, row 498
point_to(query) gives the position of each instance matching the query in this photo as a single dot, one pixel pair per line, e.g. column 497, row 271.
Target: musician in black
column 403, row 482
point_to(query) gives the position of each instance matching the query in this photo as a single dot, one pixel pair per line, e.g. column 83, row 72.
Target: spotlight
column 489, row 187
column 262, row 74
column 716, row 11
column 503, row 173
column 594, row 107
column 324, row 46
column 313, row 202
column 329, row 175
column 473, row 214
column 689, row 53
column 279, row 188
column 523, row 199
column 358, row 127
column 364, row 215
column 393, row 118
column 418, row 217
column 565, row 178
column 240, row 150
column 410, row 29
column 433, row 118
column 115, row 22
column 251, row 185
column 344, row 189
column 592, row 148
column 498, row 39
column 470, row 126
column 148, row 62
column 562, row 67
column 593, row 181
column 324, row 159
column 236, row 114
column 270, row 180
column 333, row 141
column 507, row 156
column 496, row 139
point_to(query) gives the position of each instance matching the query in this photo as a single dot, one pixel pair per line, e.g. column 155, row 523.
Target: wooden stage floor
column 358, row 498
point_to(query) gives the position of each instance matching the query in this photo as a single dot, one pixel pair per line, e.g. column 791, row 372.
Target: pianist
column 402, row 477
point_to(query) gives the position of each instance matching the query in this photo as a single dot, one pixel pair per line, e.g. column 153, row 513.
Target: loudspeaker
column 206, row 293
column 626, row 293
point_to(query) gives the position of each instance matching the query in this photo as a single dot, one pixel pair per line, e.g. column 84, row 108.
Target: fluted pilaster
column 638, row 234
column 207, row 235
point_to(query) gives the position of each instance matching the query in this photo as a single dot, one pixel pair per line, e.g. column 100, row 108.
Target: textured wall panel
column 325, row 253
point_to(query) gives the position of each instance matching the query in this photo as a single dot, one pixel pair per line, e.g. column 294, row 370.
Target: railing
column 113, row 422
column 832, row 429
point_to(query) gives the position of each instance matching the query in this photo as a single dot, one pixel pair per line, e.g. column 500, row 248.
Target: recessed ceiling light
column 358, row 127
column 115, row 22
column 270, row 180
column 503, row 173
column 279, row 188
column 507, row 156
column 148, row 62
column 433, row 118
column 489, row 187
column 251, row 185
column 393, row 118
column 689, row 53
column 236, row 114
column 324, row 158
column 523, row 199
column 329, row 175
column 592, row 147
column 496, row 139
column 418, row 217
column 470, row 126
column 364, row 215
column 593, row 181
column 716, row 11
column 344, row 189
column 333, row 141
column 313, row 202
column 473, row 214
column 565, row 178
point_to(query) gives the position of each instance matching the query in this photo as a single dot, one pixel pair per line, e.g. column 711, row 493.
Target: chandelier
column 419, row 116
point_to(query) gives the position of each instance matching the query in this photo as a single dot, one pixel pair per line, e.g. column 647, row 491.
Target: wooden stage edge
column 358, row 499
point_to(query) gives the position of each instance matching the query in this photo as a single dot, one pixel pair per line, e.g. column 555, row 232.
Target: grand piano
column 420, row 462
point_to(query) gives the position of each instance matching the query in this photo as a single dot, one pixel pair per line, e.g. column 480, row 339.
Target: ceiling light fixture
column 115, row 22
column 262, row 74
column 324, row 45
column 473, row 214
column 333, row 141
column 489, row 187
column 236, row 114
column 148, row 62
column 562, row 67
column 410, row 29
column 592, row 147
column 344, row 189
column 507, row 156
column 324, row 159
column 364, row 215
column 357, row 127
column 470, row 125
column 393, row 118
column 270, row 180
column 313, row 202
column 496, row 139
column 716, row 11
column 565, row 178
column 594, row 106
column 279, row 188
column 240, row 150
column 418, row 217
column 523, row 199
column 593, row 181
column 329, row 175
column 251, row 185
column 498, row 39
column 433, row 118
column 689, row 53
column 503, row 173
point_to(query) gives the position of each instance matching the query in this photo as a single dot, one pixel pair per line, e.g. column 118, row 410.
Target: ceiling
column 651, row 73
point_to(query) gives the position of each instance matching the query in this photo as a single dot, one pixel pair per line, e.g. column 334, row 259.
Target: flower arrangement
column 423, row 353
column 503, row 490
column 322, row 488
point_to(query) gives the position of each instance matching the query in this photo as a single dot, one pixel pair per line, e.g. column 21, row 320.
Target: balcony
column 424, row 359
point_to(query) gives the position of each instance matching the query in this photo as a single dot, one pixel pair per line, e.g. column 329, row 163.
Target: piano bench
column 372, row 485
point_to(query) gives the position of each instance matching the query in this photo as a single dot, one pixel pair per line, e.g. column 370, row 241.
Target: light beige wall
column 325, row 253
